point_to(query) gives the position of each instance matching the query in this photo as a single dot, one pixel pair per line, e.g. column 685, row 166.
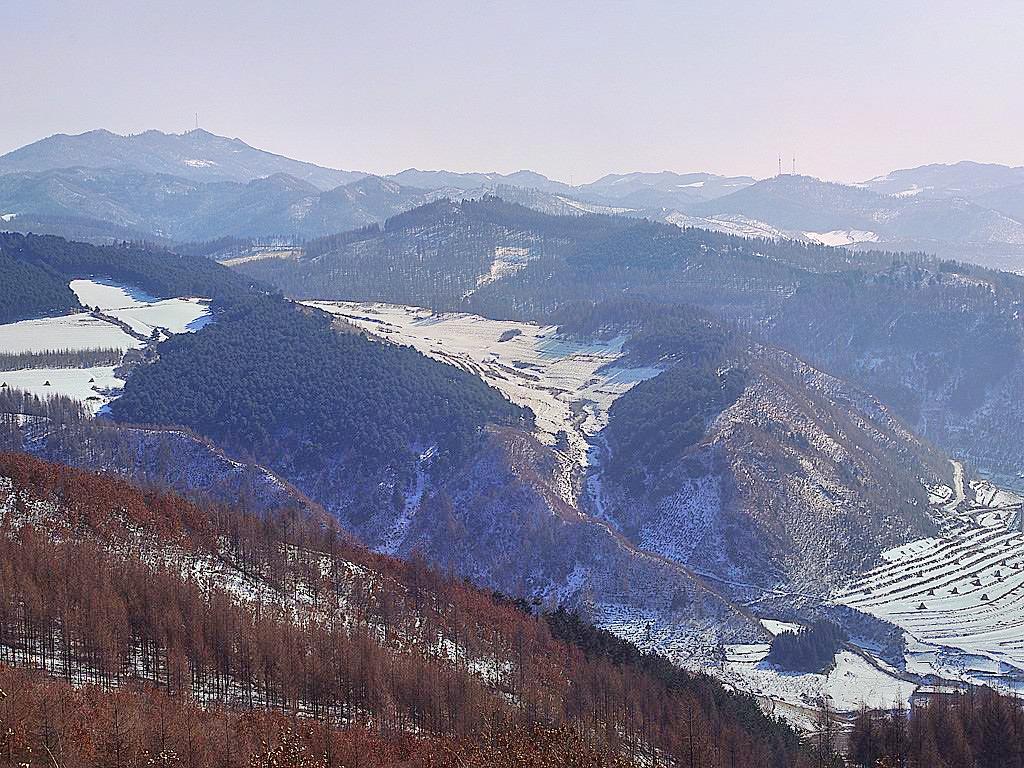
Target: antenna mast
column 780, row 165
column 794, row 165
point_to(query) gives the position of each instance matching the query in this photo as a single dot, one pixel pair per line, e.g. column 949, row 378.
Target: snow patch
column 140, row 311
column 840, row 237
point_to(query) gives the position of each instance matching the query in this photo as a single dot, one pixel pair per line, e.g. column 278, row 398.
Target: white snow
column 912, row 191
column 95, row 386
column 106, row 294
column 730, row 224
column 579, row 205
column 507, row 261
column 89, row 385
column 77, row 331
column 851, row 683
column 199, row 163
column 840, row 237
column 7, row 216
column 396, row 535
column 778, row 627
column 143, row 313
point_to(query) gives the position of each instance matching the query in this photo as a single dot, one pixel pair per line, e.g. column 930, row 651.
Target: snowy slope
column 960, row 595
column 92, row 386
column 568, row 384
column 140, row 311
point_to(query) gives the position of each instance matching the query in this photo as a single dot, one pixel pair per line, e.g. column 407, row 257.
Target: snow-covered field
column 852, row 683
column 959, row 596
column 89, row 385
column 569, row 385
column 140, row 311
column 78, row 331
column 96, row 386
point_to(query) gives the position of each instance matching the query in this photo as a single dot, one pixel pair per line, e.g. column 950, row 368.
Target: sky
column 573, row 90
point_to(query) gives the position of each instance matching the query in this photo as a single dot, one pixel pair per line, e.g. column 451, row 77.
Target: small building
column 926, row 694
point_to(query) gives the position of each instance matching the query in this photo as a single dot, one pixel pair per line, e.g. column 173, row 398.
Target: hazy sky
column 573, row 90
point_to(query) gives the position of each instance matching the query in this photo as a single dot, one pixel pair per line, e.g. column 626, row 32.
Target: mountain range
column 196, row 155
column 695, row 442
column 198, row 186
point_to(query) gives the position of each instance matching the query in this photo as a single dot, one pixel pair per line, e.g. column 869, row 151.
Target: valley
column 571, row 385
column 630, row 385
column 567, row 383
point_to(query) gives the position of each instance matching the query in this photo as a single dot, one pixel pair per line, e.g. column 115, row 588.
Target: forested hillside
column 976, row 728
column 276, row 382
column 206, row 635
column 29, row 290
column 40, row 266
column 740, row 458
column 918, row 332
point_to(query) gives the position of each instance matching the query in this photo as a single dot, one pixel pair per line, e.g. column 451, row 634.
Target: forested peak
column 283, row 182
column 272, row 378
column 657, row 332
column 492, row 209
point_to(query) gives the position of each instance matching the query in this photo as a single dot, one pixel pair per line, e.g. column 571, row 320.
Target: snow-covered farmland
column 140, row 311
column 76, row 332
column 958, row 596
column 568, row 384
column 851, row 683
column 91, row 386
column 126, row 318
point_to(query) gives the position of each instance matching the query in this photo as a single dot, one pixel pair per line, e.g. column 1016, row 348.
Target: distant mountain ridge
column 174, row 208
column 197, row 155
column 966, row 179
column 199, row 186
column 806, row 208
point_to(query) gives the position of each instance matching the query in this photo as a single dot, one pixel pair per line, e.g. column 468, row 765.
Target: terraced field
column 959, row 596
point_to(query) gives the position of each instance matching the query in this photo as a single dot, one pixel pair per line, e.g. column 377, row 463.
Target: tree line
column 809, row 649
column 975, row 728
column 61, row 358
